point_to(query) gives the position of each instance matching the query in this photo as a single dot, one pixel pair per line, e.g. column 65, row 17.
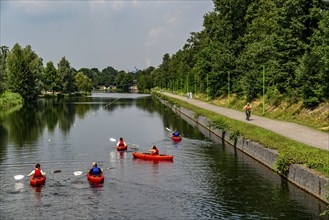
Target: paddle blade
column 19, row 177
column 57, row 171
column 113, row 139
column 168, row 129
column 134, row 146
column 77, row 173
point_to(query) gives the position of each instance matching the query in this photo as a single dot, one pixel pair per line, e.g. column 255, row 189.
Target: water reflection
column 205, row 180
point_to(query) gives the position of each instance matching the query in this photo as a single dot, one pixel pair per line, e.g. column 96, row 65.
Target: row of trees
column 22, row 72
column 242, row 39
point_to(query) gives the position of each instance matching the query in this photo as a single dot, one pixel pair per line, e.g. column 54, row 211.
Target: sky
column 123, row 34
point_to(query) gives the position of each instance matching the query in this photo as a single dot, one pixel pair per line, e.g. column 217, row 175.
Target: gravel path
column 293, row 131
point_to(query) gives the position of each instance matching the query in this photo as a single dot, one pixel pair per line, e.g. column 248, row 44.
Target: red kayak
column 147, row 156
column 122, row 148
column 176, row 138
column 95, row 178
column 37, row 181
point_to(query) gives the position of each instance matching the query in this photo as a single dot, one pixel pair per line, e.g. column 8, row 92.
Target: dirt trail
column 293, row 131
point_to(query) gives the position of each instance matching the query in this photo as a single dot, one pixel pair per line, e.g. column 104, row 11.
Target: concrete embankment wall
column 299, row 175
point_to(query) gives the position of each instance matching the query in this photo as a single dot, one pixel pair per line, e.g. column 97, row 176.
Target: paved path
column 293, row 131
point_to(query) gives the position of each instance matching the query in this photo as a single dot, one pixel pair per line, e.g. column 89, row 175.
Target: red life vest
column 121, row 143
column 156, row 151
column 37, row 173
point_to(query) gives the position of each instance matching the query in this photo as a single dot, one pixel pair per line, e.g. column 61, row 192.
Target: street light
column 263, row 89
column 228, row 89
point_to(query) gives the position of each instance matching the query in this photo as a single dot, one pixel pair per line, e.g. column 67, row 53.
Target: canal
column 206, row 180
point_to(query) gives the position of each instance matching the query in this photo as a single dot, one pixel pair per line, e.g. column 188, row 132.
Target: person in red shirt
column 121, row 143
column 37, row 172
column 154, row 150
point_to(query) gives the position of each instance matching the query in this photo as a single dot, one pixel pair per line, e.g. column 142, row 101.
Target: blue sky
column 100, row 33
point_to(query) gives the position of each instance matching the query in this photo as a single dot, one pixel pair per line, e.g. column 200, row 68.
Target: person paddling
column 95, row 170
column 154, row 150
column 37, row 172
column 121, row 143
column 176, row 133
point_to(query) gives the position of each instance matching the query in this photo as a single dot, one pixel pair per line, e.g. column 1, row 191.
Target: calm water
column 206, row 180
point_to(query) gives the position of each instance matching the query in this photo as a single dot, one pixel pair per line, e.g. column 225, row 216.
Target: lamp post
column 194, row 84
column 207, row 87
column 228, row 89
column 263, row 90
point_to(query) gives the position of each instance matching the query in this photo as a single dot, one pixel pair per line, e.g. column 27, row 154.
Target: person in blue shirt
column 175, row 133
column 95, row 170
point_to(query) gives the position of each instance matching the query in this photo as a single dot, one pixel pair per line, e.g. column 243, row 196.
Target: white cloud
column 167, row 30
column 155, row 34
column 173, row 19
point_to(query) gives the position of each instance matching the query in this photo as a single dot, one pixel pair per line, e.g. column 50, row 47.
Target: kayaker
column 37, row 172
column 95, row 170
column 154, row 150
column 121, row 143
column 176, row 133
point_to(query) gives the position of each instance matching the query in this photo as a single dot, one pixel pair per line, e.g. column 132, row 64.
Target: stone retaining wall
column 301, row 176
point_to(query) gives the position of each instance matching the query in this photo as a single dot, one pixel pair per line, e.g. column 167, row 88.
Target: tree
column 261, row 40
column 24, row 72
column 83, row 82
column 67, row 76
column 123, row 80
column 313, row 71
column 51, row 78
column 4, row 50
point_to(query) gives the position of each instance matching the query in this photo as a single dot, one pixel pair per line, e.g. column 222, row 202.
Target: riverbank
column 291, row 159
column 10, row 102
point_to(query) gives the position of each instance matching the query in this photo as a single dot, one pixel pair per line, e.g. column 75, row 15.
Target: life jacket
column 37, row 173
column 156, row 152
column 121, row 143
column 176, row 134
column 95, row 171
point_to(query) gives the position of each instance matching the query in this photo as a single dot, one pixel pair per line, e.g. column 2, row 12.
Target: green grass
column 290, row 151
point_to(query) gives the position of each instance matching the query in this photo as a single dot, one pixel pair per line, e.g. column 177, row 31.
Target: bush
column 9, row 100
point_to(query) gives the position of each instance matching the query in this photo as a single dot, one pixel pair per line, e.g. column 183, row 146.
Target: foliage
column 83, row 82
column 67, row 76
column 241, row 40
column 235, row 135
column 4, row 50
column 9, row 100
column 24, row 72
column 51, row 78
column 219, row 124
column 282, row 164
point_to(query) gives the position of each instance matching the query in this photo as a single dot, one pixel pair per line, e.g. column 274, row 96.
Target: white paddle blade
column 19, row 177
column 168, row 129
column 113, row 139
column 134, row 146
column 77, row 173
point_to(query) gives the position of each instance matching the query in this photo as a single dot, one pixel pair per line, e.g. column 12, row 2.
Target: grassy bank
column 10, row 101
column 290, row 151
